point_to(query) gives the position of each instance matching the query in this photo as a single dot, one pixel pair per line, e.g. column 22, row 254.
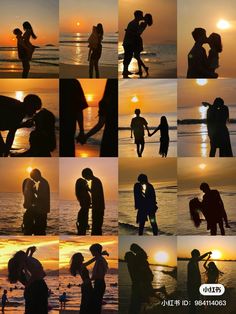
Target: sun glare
column 216, row 254
column 89, row 97
column 202, row 166
column 19, row 95
column 223, row 24
column 78, row 23
column 201, row 82
column 161, row 257
column 29, row 169
column 134, row 99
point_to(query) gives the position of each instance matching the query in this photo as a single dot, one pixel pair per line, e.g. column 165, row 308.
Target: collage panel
column 206, row 118
column 206, row 196
column 29, row 118
column 29, row 43
column 88, row 196
column 147, row 274
column 88, row 38
column 148, row 118
column 88, row 274
column 29, row 196
column 29, row 274
column 147, row 39
column 206, row 33
column 88, row 117
column 204, row 260
column 147, row 195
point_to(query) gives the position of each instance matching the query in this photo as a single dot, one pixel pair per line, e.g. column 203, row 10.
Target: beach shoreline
column 82, row 71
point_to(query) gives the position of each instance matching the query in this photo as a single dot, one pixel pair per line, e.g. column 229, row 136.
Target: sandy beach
column 31, row 75
column 81, row 71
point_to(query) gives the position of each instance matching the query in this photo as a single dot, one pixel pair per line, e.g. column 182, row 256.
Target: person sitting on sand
column 164, row 139
column 22, row 52
column 4, row 300
column 212, row 271
column 137, row 128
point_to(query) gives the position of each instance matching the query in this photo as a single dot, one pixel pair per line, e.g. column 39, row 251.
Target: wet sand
column 82, row 71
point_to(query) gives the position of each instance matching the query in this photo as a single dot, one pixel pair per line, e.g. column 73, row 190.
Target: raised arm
column 31, row 250
column 204, row 255
column 205, row 263
column 9, row 141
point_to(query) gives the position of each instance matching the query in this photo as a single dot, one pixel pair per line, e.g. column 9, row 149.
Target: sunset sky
column 193, row 171
column 155, row 96
column 93, row 90
column 79, row 16
column 163, row 12
column 47, row 250
column 207, row 14
column 103, row 168
column 71, row 245
column 224, row 245
column 157, row 170
column 14, row 170
column 43, row 16
column 152, row 246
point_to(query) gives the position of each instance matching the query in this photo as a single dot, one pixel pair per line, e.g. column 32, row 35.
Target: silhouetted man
column 213, row 209
column 197, row 57
column 42, row 202
column 194, row 278
column 12, row 113
column 98, row 202
column 98, row 276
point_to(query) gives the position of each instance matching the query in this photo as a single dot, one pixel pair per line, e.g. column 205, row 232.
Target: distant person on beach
column 29, row 193
column 164, row 139
column 213, row 209
column 26, row 269
column 22, row 52
column 72, row 104
column 138, row 124
column 4, row 300
column 212, row 271
column 98, row 201
column 84, row 198
column 63, row 300
column 145, row 203
column 198, row 66
column 95, row 49
column 107, row 118
column 12, row 114
column 194, row 278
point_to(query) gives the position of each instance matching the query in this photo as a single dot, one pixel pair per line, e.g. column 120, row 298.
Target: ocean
column 74, row 49
column 166, row 214
column 228, row 197
column 160, row 58
column 74, row 293
column 127, row 148
column 45, row 60
column 12, row 214
column 68, row 217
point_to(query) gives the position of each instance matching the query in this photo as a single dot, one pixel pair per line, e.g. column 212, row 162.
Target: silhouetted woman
column 96, row 52
column 28, row 34
column 164, row 139
column 83, row 197
column 212, row 272
column 29, row 193
column 145, row 203
column 214, row 41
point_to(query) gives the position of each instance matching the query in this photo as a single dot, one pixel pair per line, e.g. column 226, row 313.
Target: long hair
column 100, row 29
column 213, row 270
column 76, row 263
column 27, row 26
column 148, row 19
column 215, row 42
column 164, row 121
column 14, row 266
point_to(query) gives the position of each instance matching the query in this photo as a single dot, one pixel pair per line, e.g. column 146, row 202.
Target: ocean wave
column 132, row 229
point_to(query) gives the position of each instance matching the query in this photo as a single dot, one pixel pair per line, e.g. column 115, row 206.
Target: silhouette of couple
column 133, row 42
column 145, row 203
column 194, row 281
column 89, row 193
column 36, row 192
column 138, row 126
column 25, row 47
column 72, row 105
column 217, row 117
column 95, row 49
column 212, row 208
column 15, row 114
column 199, row 64
column 93, row 287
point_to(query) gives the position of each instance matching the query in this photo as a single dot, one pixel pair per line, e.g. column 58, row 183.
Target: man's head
column 87, row 174
column 138, row 15
column 195, row 254
column 204, row 187
column 218, row 102
column 96, row 249
column 32, row 104
column 137, row 112
column 199, row 35
column 35, row 174
column 142, row 178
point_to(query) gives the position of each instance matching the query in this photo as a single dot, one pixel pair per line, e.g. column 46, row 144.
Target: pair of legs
column 213, row 228
column 98, row 291
column 128, row 55
column 36, row 298
column 141, row 64
column 97, row 222
column 93, row 61
column 26, row 67
column 82, row 221
column 140, row 146
column 152, row 218
column 40, row 223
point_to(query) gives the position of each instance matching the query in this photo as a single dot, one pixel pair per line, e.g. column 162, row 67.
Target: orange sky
column 155, row 96
column 43, row 16
column 47, row 250
column 93, row 90
column 103, row 168
column 14, row 170
column 206, row 14
column 71, row 245
column 225, row 245
column 163, row 12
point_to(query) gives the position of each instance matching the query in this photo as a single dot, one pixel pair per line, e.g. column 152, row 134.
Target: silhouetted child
column 22, row 52
column 212, row 272
column 214, row 41
column 4, row 300
column 164, row 139
column 63, row 300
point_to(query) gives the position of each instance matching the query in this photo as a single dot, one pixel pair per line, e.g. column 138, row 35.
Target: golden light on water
column 223, row 24
column 202, row 166
column 161, row 257
column 19, row 95
column 134, row 99
column 216, row 254
column 201, row 82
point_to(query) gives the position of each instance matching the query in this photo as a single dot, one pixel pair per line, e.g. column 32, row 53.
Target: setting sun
column 161, row 257
column 223, row 24
column 216, row 254
column 78, row 23
column 134, row 99
column 89, row 97
column 201, row 82
column 29, row 169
